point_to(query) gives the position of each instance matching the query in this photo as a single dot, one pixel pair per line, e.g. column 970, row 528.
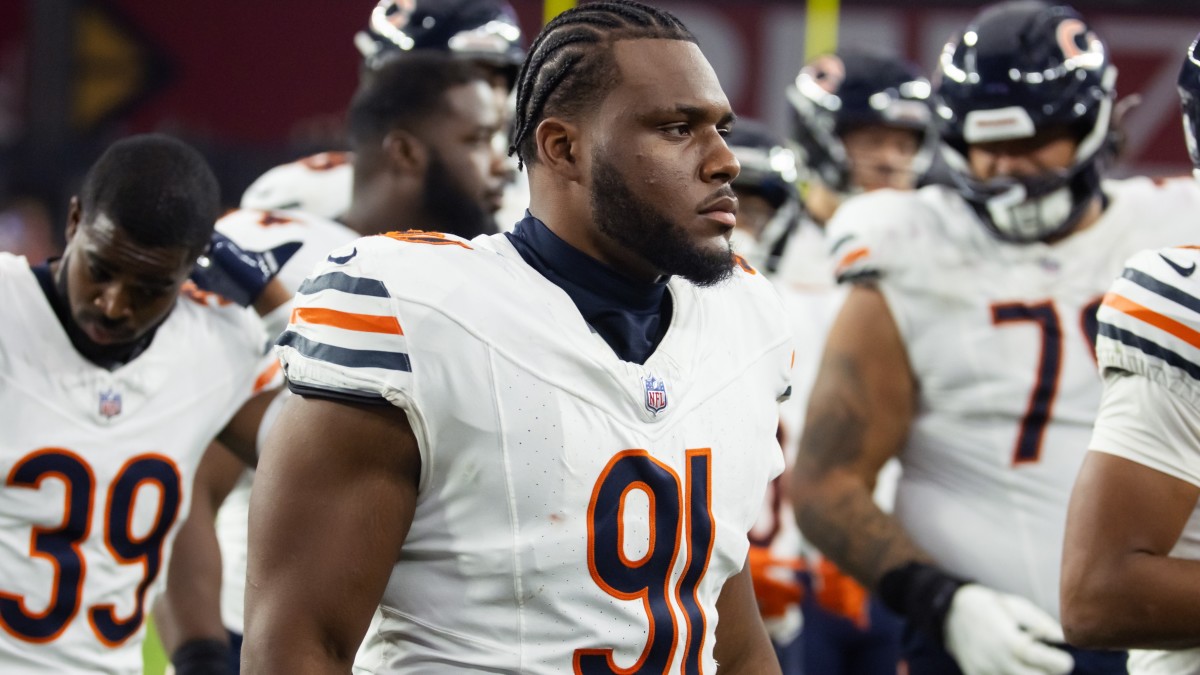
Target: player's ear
column 404, row 152
column 74, row 216
column 559, row 148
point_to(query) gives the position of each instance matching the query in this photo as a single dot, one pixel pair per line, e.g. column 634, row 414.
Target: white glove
column 992, row 633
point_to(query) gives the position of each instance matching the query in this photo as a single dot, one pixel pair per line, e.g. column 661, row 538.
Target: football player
column 541, row 451
column 861, row 121
column 116, row 376
column 964, row 348
column 421, row 131
column 1131, row 560
column 484, row 32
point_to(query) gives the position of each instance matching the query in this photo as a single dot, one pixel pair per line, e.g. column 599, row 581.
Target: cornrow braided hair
column 570, row 67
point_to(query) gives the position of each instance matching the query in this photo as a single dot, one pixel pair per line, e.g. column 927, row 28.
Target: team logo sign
column 110, row 403
column 656, row 394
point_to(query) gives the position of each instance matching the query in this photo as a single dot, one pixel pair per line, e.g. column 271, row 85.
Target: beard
column 450, row 207
column 639, row 227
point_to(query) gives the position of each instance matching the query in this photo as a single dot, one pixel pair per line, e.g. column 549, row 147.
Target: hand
column 993, row 633
column 237, row 273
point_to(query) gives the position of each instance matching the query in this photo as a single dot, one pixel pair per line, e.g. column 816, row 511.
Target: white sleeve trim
column 1145, row 422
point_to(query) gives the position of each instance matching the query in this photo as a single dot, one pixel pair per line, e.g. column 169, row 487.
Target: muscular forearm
column 1137, row 601
column 190, row 609
column 838, row 514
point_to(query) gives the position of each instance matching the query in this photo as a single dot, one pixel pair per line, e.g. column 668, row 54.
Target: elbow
column 1089, row 608
column 1084, row 626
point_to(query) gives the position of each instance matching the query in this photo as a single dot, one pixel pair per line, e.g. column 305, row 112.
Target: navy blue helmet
column 1020, row 68
column 482, row 30
column 1189, row 92
column 835, row 93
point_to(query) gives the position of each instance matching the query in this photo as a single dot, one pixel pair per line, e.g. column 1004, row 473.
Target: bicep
column 863, row 399
column 1120, row 507
column 333, row 498
column 1130, row 504
column 1130, row 494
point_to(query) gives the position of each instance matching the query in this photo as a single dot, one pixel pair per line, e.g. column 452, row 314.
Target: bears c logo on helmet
column 828, row 71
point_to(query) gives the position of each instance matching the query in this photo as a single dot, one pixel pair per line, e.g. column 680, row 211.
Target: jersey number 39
column 60, row 545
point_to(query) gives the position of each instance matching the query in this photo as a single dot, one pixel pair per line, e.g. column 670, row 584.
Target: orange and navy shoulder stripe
column 330, row 323
column 1140, row 322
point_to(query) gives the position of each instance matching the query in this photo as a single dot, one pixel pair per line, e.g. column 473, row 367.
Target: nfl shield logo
column 656, row 394
column 110, row 403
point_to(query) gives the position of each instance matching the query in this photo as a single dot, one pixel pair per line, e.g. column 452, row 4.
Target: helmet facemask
column 1023, row 68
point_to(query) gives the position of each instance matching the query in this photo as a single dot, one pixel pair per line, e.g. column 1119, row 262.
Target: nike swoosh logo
column 342, row 260
column 1183, row 271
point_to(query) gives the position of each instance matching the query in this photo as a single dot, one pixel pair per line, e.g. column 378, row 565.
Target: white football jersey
column 320, row 184
column 575, row 510
column 1149, row 351
column 98, row 468
column 262, row 230
column 1000, row 338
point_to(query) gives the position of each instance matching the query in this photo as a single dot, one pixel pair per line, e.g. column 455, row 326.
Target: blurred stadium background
column 257, row 83
column 253, row 84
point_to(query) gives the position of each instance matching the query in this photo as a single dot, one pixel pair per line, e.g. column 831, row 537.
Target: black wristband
column 921, row 594
column 202, row 657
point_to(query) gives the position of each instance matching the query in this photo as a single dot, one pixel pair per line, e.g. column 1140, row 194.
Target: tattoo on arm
column 839, row 514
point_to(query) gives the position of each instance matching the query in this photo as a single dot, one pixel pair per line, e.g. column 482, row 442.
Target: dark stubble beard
column 453, row 210
column 639, row 227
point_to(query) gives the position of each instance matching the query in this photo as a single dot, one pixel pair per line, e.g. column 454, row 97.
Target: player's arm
column 858, row 417
column 333, row 499
column 188, row 615
column 742, row 644
column 240, row 435
column 1119, row 587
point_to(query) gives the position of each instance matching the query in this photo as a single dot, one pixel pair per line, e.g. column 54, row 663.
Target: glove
column 993, row 633
column 236, row 273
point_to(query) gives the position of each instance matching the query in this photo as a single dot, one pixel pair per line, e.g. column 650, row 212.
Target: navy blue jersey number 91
column 680, row 513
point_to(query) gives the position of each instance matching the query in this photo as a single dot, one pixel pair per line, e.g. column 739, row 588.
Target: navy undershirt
column 632, row 316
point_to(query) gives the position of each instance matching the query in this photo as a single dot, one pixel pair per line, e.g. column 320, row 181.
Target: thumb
column 1033, row 619
column 1047, row 659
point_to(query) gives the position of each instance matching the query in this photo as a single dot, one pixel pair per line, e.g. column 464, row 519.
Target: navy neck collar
column 632, row 316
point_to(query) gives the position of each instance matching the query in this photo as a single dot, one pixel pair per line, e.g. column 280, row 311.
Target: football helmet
column 1019, row 68
column 1189, row 93
column 768, row 169
column 482, row 30
column 835, row 93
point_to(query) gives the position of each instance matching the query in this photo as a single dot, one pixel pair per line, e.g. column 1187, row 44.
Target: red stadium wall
column 256, row 73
